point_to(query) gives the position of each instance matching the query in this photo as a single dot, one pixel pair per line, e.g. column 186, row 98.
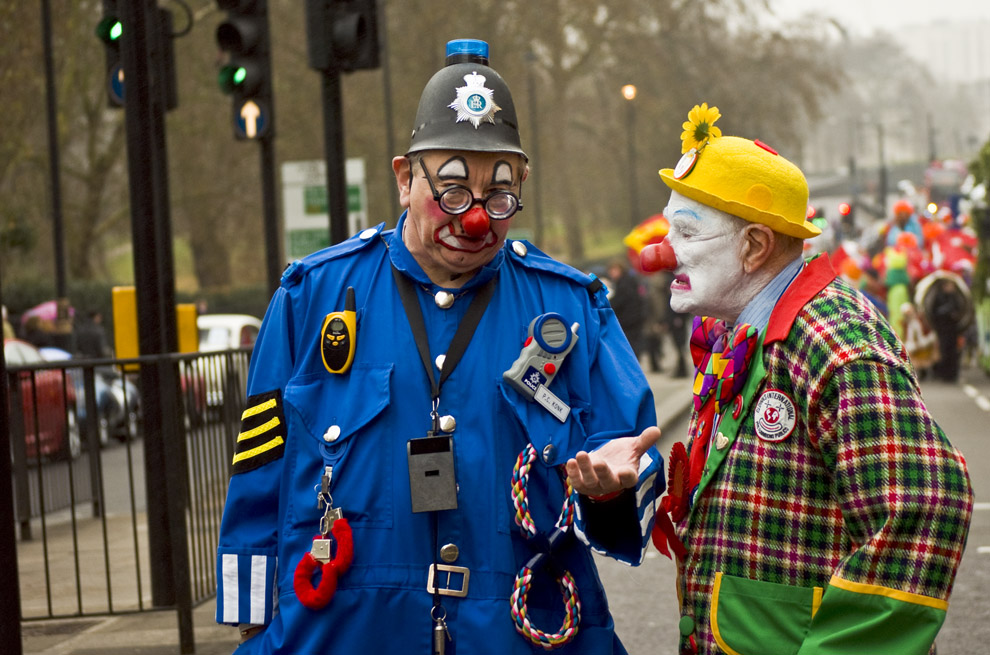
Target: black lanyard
column 465, row 331
column 462, row 337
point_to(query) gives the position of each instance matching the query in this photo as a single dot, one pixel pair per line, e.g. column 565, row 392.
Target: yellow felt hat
column 744, row 178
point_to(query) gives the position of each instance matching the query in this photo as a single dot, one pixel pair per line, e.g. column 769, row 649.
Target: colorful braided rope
column 572, row 611
column 524, row 578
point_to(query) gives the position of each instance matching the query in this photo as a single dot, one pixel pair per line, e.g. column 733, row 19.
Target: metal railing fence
column 81, row 479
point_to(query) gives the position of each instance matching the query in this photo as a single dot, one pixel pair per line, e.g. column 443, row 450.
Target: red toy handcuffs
column 317, row 597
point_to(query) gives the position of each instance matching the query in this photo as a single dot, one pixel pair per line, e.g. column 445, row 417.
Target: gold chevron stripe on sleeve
column 263, row 448
column 254, row 432
column 257, row 409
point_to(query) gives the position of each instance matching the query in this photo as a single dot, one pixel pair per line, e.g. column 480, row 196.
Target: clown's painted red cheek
column 437, row 215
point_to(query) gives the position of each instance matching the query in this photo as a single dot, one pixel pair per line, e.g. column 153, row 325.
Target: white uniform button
column 519, row 248
column 332, row 433
column 449, row 553
column 448, row 423
column 549, row 452
column 439, row 361
column 367, row 234
column 443, row 299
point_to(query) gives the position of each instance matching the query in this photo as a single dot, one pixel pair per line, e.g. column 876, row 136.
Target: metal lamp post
column 629, row 93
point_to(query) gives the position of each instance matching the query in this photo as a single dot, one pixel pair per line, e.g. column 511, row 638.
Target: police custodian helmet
column 466, row 105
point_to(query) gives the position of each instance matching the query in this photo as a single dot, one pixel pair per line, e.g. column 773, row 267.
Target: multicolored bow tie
column 721, row 360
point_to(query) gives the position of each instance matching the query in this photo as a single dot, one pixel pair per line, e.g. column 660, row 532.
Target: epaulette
column 363, row 239
column 529, row 256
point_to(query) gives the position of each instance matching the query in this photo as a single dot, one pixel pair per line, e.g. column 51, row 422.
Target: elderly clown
column 414, row 393
column 818, row 507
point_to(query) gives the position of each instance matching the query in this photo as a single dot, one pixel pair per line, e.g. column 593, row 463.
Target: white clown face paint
column 709, row 279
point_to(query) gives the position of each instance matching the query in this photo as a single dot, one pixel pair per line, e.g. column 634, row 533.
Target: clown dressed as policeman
column 415, row 396
column 818, row 508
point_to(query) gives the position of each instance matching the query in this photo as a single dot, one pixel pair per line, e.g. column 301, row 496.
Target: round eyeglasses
column 458, row 199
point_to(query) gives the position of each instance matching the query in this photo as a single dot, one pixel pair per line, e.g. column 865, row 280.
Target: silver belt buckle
column 446, row 590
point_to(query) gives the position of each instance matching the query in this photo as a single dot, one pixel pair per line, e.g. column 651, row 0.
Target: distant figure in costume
column 415, row 394
column 944, row 299
column 818, row 508
column 905, row 220
column 919, row 339
column 630, row 303
column 897, row 282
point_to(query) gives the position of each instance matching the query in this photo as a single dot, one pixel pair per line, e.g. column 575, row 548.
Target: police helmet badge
column 474, row 101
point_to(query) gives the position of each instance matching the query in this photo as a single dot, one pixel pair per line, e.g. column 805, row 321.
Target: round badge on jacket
column 775, row 416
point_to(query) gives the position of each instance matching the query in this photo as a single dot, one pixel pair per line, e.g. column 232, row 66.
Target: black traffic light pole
column 333, row 146
column 342, row 36
column 273, row 257
column 53, row 163
column 144, row 113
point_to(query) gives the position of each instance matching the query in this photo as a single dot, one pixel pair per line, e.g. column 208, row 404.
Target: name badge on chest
column 432, row 484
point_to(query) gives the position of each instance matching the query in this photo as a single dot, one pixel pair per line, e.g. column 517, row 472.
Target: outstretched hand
column 613, row 467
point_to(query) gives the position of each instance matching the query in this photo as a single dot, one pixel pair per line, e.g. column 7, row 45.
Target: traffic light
column 342, row 35
column 109, row 30
column 247, row 74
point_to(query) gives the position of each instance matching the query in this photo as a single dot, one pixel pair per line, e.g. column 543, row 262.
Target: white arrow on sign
column 250, row 113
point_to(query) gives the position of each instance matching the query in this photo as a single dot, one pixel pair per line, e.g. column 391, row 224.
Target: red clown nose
column 475, row 222
column 658, row 257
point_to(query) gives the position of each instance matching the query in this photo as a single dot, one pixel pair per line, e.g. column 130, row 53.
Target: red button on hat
column 549, row 368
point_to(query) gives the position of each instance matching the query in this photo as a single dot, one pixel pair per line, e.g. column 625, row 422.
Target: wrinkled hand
column 613, row 467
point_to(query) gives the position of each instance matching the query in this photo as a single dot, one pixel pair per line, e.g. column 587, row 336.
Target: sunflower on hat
column 700, row 127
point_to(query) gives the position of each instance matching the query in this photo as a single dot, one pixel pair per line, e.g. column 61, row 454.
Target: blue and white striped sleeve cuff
column 245, row 588
column 621, row 527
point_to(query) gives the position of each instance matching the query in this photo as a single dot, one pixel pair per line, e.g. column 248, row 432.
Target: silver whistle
column 440, row 637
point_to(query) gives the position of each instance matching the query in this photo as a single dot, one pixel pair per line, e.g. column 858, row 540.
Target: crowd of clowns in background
column 918, row 272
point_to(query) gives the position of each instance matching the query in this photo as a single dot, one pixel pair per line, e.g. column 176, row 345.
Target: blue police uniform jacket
column 359, row 422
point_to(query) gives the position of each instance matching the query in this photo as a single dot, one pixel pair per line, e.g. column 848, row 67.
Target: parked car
column 118, row 402
column 129, row 397
column 49, row 395
column 226, row 331
column 221, row 332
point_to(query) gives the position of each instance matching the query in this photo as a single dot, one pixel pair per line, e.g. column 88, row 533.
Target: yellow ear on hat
column 745, row 178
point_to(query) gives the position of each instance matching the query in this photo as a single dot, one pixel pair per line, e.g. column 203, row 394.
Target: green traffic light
column 109, row 30
column 231, row 77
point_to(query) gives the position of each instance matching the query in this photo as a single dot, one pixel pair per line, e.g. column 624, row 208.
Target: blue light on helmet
column 467, row 50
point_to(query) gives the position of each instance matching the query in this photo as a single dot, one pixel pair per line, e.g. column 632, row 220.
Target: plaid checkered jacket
column 844, row 537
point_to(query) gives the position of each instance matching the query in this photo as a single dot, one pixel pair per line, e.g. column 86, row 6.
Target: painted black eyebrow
column 495, row 169
column 453, row 177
